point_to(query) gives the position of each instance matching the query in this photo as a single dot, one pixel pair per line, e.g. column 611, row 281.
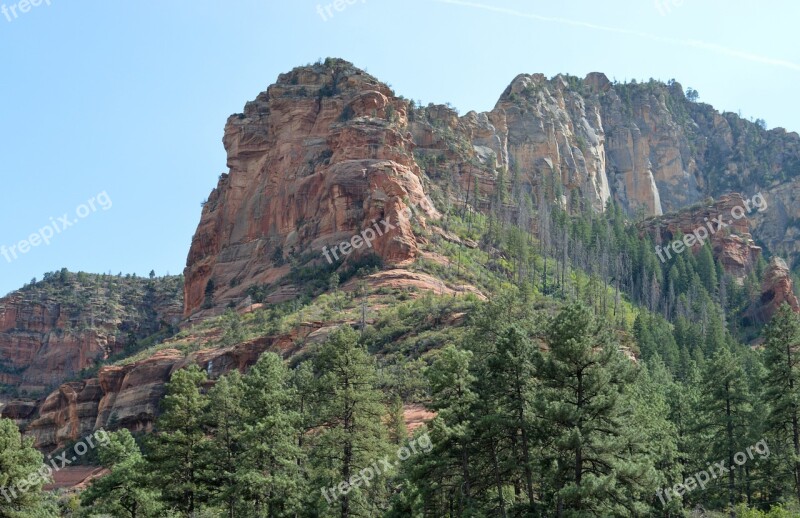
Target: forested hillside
column 394, row 311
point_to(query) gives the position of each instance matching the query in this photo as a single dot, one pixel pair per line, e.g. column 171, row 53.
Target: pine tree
column 726, row 412
column 398, row 432
column 305, row 388
column 123, row 491
column 510, row 382
column 228, row 452
column 782, row 384
column 756, row 480
column 22, row 475
column 684, row 400
column 450, row 466
column 707, row 269
column 652, row 429
column 352, row 435
column 180, row 445
column 654, row 337
column 269, row 475
column 589, row 466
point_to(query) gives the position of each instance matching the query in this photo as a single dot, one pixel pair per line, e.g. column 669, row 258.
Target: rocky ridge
column 777, row 288
column 52, row 330
column 328, row 149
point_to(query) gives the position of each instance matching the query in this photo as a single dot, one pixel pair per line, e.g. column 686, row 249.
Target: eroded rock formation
column 328, row 148
column 777, row 289
column 130, row 396
column 49, row 332
column 317, row 158
column 732, row 245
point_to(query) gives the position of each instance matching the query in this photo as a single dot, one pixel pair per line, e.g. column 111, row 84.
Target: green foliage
column 312, row 273
column 129, row 308
column 329, row 90
column 726, row 413
column 351, row 411
column 233, row 333
column 180, row 443
column 21, row 476
column 539, row 412
column 782, row 393
column 124, row 491
column 742, row 511
column 268, row 477
column 590, row 465
column 347, row 113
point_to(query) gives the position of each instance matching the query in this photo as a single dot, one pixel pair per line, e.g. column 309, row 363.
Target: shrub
column 347, row 114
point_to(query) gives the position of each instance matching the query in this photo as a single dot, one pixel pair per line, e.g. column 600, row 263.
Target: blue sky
column 130, row 98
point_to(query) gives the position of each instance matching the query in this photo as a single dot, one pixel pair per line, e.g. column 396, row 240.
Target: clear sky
column 125, row 102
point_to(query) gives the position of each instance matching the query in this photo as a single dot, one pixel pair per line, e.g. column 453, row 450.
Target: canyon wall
column 51, row 331
column 329, row 148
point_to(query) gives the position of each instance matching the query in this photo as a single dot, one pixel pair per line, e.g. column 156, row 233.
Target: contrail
column 699, row 44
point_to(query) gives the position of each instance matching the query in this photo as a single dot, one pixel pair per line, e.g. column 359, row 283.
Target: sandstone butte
column 329, row 149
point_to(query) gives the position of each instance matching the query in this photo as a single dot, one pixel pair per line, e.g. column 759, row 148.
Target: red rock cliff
column 733, row 245
column 52, row 330
column 777, row 289
column 130, row 395
column 312, row 161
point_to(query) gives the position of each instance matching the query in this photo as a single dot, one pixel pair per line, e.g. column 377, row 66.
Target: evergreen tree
column 22, row 475
column 782, row 385
column 684, row 400
column 588, row 463
column 655, row 337
column 269, row 474
column 706, row 269
column 228, row 451
column 305, row 387
column 123, row 491
column 397, row 423
column 449, row 468
column 352, row 435
column 653, row 431
column 510, row 382
column 179, row 448
column 726, row 412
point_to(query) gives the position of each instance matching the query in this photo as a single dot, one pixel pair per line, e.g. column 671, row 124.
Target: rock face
column 644, row 145
column 552, row 131
column 130, row 396
column 50, row 331
column 733, row 245
column 776, row 289
column 316, row 159
column 319, row 155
